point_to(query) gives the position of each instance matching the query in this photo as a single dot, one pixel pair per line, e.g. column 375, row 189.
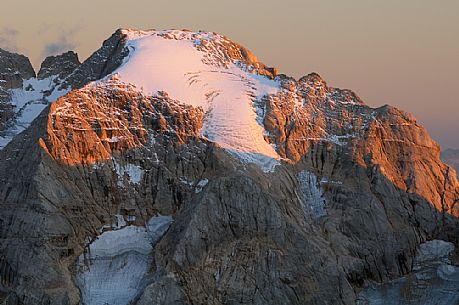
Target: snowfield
column 29, row 102
column 434, row 280
column 115, row 267
column 225, row 92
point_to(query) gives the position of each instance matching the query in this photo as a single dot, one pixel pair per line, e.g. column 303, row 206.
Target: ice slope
column 434, row 281
column 29, row 102
column 157, row 62
column 114, row 268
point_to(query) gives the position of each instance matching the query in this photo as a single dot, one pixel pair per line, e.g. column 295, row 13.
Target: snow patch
column 157, row 226
column 201, row 184
column 433, row 280
column 311, row 195
column 130, row 218
column 325, row 180
column 185, row 181
column 335, row 139
column 433, row 250
column 217, row 275
column 120, row 222
column 135, row 173
column 116, row 263
column 29, row 102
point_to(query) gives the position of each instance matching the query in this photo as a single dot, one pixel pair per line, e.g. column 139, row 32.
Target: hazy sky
column 399, row 52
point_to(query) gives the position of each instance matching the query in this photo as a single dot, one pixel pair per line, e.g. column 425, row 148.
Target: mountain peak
column 312, row 78
column 207, row 70
column 13, row 69
column 219, row 48
column 59, row 65
column 262, row 177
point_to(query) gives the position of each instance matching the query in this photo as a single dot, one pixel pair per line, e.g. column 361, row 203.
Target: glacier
column 226, row 93
column 434, row 281
column 114, row 268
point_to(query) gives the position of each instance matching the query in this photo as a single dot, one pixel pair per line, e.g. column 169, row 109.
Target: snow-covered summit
column 199, row 69
column 205, row 70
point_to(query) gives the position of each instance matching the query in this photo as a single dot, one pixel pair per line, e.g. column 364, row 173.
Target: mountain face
column 13, row 69
column 172, row 167
column 22, row 95
column 451, row 157
column 61, row 66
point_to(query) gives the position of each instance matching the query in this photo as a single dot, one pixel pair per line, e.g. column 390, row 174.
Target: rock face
column 451, row 157
column 14, row 68
column 6, row 110
column 62, row 65
column 101, row 63
column 22, row 103
column 434, row 280
column 385, row 141
column 354, row 192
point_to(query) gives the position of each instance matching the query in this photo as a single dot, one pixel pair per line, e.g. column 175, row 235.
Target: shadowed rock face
column 358, row 191
column 61, row 66
column 6, row 110
column 14, row 68
column 433, row 281
column 101, row 63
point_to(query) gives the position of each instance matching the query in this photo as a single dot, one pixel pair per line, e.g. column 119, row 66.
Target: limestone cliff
column 352, row 193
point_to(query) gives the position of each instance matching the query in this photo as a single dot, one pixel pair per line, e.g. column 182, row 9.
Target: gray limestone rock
column 60, row 66
column 239, row 235
column 101, row 63
column 14, row 68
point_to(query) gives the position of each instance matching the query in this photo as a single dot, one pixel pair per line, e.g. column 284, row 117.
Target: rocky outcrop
column 218, row 50
column 60, row 66
column 357, row 190
column 6, row 109
column 57, row 75
column 434, row 280
column 385, row 139
column 101, row 63
column 14, row 68
column 91, row 124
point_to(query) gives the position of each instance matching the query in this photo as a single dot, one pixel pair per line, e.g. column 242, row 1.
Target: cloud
column 64, row 42
column 61, row 45
column 8, row 39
